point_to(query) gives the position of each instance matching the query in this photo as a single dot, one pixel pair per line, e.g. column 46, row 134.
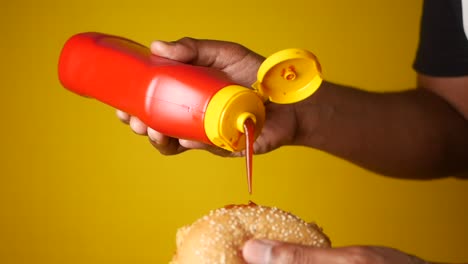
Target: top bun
column 218, row 238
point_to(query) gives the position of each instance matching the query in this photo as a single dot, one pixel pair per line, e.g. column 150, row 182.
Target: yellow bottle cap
column 288, row 76
column 226, row 114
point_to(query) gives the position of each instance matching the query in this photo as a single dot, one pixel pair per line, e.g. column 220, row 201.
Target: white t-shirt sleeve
column 465, row 16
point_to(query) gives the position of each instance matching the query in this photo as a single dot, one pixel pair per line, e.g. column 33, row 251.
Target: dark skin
column 419, row 133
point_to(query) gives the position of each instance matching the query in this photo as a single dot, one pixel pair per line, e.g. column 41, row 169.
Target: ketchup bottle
column 177, row 99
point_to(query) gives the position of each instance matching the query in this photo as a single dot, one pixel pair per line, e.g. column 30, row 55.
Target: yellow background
column 77, row 186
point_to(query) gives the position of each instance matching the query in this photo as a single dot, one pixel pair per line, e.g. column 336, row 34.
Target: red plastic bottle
column 169, row 96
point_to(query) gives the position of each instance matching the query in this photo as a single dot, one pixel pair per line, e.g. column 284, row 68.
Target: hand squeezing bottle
column 181, row 100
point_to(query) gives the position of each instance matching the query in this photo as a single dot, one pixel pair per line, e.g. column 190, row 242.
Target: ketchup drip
column 249, row 129
column 250, row 204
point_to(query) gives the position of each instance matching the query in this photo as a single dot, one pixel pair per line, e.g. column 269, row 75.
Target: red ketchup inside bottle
column 249, row 129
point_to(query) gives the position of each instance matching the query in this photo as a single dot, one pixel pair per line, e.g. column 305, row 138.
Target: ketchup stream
column 249, row 129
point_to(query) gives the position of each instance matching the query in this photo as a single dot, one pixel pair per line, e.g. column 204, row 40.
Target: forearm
column 410, row 134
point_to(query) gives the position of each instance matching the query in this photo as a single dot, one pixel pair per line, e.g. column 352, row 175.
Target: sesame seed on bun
column 218, row 237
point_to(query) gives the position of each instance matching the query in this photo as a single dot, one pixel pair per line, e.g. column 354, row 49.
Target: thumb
column 207, row 53
column 273, row 252
column 173, row 50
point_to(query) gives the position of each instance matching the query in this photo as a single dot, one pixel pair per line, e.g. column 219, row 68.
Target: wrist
column 312, row 115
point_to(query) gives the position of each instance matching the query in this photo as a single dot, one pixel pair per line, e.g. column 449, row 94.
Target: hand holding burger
column 275, row 252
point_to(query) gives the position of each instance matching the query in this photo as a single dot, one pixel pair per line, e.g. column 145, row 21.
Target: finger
column 262, row 145
column 174, row 51
column 188, row 50
column 258, row 251
column 238, row 62
column 212, row 53
column 171, row 148
column 138, row 126
column 123, row 116
column 191, row 144
column 158, row 138
column 207, row 53
column 273, row 252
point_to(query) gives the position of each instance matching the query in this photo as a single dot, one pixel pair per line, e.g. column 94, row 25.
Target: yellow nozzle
column 226, row 113
column 241, row 120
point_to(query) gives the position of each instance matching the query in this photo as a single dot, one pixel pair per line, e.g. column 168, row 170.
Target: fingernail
column 122, row 115
column 160, row 45
column 157, row 45
column 154, row 140
column 151, row 135
column 155, row 136
column 258, row 251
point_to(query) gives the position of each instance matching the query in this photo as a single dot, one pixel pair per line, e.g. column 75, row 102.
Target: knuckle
column 286, row 254
column 186, row 39
column 124, row 117
column 188, row 42
column 186, row 49
column 164, row 150
column 361, row 255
